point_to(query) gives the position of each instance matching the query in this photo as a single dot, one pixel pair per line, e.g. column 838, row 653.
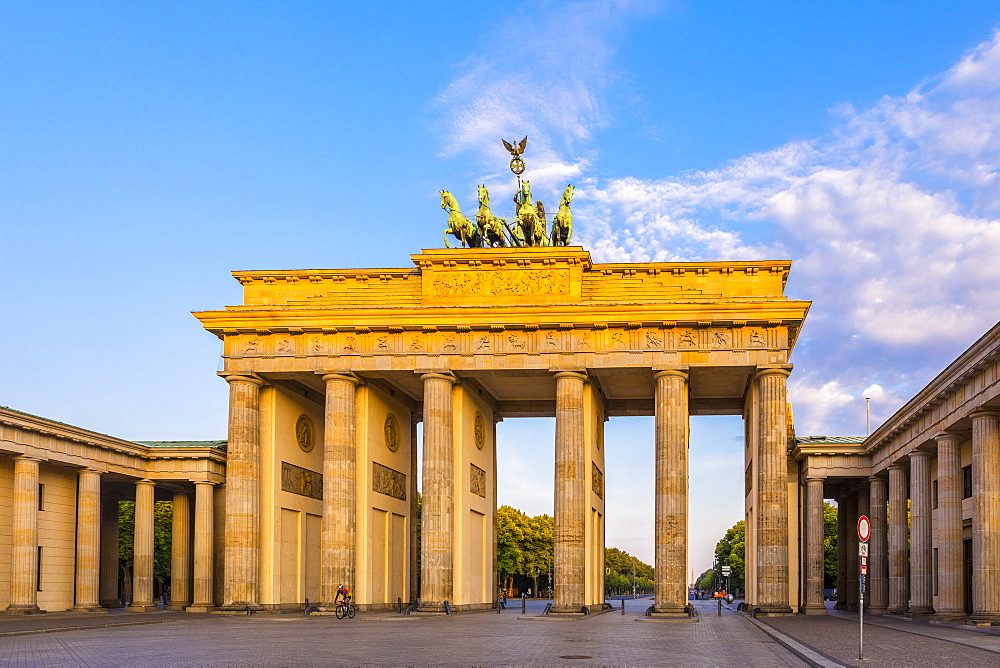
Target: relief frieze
column 501, row 283
column 597, row 481
column 388, row 481
column 477, row 481
column 303, row 482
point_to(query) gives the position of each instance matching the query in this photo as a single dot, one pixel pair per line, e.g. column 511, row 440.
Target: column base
column 567, row 610
column 430, row 607
column 948, row 615
column 238, row 608
column 985, row 618
column 143, row 607
column 200, row 607
column 896, row 610
column 814, row 609
column 89, row 608
column 24, row 609
column 921, row 611
column 773, row 609
column 875, row 611
column 176, row 606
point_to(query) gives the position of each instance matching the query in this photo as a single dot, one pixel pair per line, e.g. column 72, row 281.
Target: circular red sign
column 864, row 529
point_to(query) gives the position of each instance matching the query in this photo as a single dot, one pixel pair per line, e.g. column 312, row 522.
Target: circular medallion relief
column 391, row 430
column 479, row 427
column 305, row 433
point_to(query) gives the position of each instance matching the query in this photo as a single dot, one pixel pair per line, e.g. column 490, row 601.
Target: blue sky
column 147, row 150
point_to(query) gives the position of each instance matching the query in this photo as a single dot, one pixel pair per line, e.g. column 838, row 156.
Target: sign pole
column 864, row 533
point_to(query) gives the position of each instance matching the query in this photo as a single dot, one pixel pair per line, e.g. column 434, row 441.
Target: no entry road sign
column 864, row 529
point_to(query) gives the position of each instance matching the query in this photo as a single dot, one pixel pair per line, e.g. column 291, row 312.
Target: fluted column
column 921, row 548
column 815, row 555
column 340, row 484
column 142, row 548
column 24, row 538
column 986, row 516
column 949, row 526
column 671, row 492
column 571, row 473
column 848, row 594
column 843, row 520
column 414, row 590
column 772, row 497
column 899, row 591
column 241, row 546
column 204, row 542
column 437, row 541
column 88, row 541
column 878, row 565
column 180, row 553
column 109, row 553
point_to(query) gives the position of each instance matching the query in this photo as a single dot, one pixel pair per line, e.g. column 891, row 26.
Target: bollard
column 623, row 606
column 399, row 604
column 524, row 603
column 719, row 614
column 498, row 605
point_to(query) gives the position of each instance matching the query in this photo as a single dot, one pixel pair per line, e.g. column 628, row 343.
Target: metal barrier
column 310, row 608
column 410, row 609
column 447, row 608
column 585, row 610
column 548, row 607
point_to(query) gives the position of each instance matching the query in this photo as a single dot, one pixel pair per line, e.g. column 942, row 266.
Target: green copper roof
column 840, row 440
column 184, row 444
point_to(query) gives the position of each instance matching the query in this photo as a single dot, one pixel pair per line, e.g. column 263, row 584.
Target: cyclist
column 342, row 593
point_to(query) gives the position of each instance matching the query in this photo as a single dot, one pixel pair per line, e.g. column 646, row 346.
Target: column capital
column 580, row 375
column 876, row 478
column 985, row 412
column 667, row 373
column 145, row 481
column 898, row 466
column 439, row 375
column 243, row 378
column 815, row 478
column 953, row 436
column 920, row 454
column 784, row 371
column 28, row 458
column 91, row 469
column 205, row 482
column 344, row 376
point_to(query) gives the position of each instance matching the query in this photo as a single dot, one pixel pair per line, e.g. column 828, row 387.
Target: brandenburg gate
column 330, row 371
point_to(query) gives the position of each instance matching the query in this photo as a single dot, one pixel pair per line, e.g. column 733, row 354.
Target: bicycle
column 345, row 609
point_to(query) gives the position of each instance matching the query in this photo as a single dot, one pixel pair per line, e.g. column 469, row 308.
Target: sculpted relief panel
column 388, row 481
column 528, row 340
column 501, row 283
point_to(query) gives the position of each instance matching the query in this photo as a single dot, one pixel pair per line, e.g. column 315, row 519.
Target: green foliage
column 706, row 580
column 618, row 573
column 524, row 544
column 731, row 551
column 829, row 546
column 163, row 513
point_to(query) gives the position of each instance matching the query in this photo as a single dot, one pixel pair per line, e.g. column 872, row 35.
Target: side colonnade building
column 60, row 487
column 929, row 480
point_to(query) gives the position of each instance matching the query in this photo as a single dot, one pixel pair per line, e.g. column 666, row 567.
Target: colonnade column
column 949, row 513
column 204, row 542
column 772, row 497
column 671, row 491
column 24, row 538
column 142, row 548
column 338, row 533
column 414, row 590
column 109, row 553
column 815, row 555
column 847, row 588
column 898, row 576
column 88, row 541
column 878, row 566
column 571, row 475
column 986, row 516
column 843, row 529
column 241, row 544
column 180, row 553
column 921, row 548
column 438, row 512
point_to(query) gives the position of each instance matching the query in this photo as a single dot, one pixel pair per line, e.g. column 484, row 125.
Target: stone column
column 921, row 548
column 414, row 590
column 437, row 541
column 180, row 553
column 899, row 592
column 109, row 553
column 951, row 596
column 848, row 593
column 571, row 474
column 814, row 553
column 772, row 496
column 204, row 541
column 986, row 516
column 671, row 492
column 142, row 548
column 843, row 520
column 88, row 541
column 24, row 538
column 241, row 546
column 339, row 529
column 878, row 566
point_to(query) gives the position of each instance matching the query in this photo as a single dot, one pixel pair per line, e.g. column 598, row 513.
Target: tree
column 731, row 551
column 829, row 546
column 619, row 567
column 706, row 580
column 163, row 513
